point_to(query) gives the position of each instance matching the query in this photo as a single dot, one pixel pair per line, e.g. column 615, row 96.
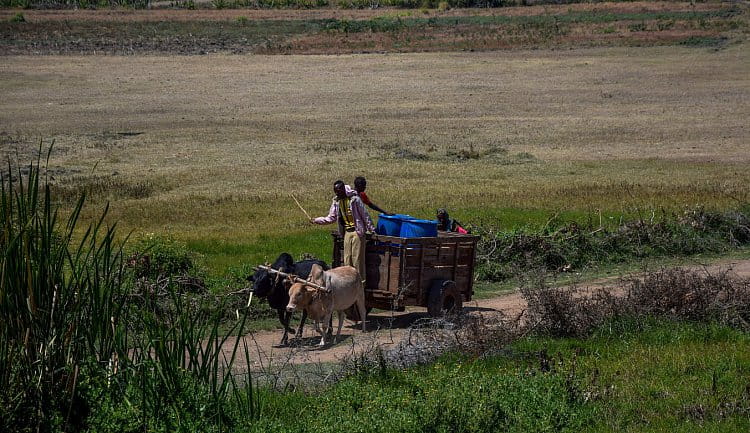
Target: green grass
column 222, row 258
column 221, row 255
column 475, row 192
column 653, row 376
column 658, row 376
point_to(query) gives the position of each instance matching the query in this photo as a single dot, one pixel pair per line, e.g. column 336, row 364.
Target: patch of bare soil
column 387, row 329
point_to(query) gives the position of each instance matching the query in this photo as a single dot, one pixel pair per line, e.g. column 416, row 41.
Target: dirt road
column 385, row 329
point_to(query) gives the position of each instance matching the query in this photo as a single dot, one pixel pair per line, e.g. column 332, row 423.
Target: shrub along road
column 387, row 329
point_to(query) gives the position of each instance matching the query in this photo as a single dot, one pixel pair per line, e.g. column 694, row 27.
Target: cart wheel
column 352, row 313
column 444, row 298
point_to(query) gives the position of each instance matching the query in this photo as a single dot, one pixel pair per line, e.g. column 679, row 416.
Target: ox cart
column 432, row 272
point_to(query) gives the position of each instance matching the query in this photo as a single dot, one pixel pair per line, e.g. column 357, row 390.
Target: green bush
column 571, row 246
column 703, row 41
column 155, row 256
column 18, row 18
column 377, row 24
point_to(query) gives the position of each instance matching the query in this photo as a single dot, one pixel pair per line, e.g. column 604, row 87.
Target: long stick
column 294, row 277
column 300, row 206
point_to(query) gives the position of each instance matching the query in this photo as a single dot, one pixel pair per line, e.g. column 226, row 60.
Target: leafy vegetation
column 676, row 294
column 452, row 395
column 572, row 246
column 157, row 257
column 409, row 30
column 56, row 305
column 103, row 360
column 697, row 41
column 386, row 23
column 73, row 339
column 670, row 353
column 638, row 375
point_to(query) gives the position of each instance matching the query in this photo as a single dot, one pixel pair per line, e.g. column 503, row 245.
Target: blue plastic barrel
column 390, row 225
column 404, row 217
column 416, row 228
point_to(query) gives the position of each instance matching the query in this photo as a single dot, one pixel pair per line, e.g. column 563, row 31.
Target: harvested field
column 587, row 129
column 507, row 136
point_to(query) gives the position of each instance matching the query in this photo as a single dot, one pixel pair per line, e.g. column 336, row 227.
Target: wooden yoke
column 294, row 278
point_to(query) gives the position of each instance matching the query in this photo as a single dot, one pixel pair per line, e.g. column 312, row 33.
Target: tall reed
column 58, row 305
column 66, row 318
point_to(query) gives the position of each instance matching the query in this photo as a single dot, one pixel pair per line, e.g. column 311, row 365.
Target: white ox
column 343, row 289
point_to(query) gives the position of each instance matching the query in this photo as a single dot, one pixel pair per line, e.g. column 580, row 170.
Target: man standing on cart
column 353, row 221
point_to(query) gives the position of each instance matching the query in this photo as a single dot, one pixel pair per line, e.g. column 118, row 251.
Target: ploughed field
column 209, row 148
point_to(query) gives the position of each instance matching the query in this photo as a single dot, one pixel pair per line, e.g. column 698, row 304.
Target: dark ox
column 275, row 288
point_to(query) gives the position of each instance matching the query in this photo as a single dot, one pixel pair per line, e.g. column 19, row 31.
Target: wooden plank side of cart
column 401, row 271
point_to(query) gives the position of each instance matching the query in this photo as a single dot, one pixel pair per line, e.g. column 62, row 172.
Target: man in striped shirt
column 353, row 221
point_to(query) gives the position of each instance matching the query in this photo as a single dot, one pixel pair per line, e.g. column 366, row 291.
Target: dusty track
column 387, row 329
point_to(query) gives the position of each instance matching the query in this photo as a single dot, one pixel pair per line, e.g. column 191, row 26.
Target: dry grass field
column 208, row 148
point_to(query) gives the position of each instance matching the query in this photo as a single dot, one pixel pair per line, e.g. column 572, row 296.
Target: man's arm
column 366, row 200
column 375, row 207
column 330, row 218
